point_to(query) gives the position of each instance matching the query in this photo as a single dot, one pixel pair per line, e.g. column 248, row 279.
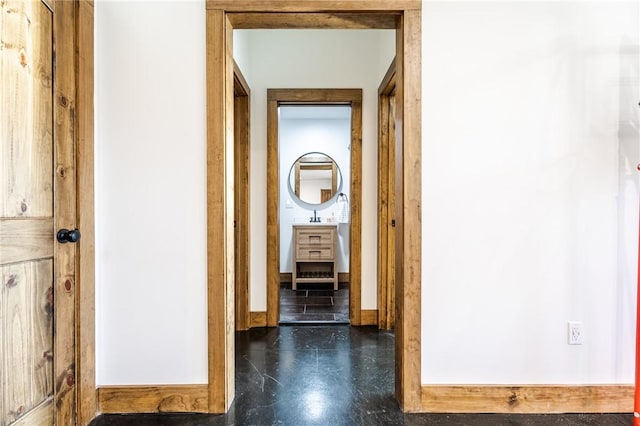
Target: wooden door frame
column 74, row 280
column 386, row 307
column 222, row 17
column 275, row 98
column 242, row 202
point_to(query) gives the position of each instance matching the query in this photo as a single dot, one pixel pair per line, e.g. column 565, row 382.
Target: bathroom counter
column 315, row 257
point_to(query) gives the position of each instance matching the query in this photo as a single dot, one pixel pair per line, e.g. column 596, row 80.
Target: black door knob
column 68, row 236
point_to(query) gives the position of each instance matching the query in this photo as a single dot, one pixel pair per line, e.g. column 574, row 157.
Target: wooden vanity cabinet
column 315, row 255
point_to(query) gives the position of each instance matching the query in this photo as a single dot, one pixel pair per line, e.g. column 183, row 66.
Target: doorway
column 275, row 98
column 222, row 17
column 346, row 97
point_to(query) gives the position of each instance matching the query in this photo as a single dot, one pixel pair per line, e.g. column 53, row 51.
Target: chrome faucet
column 315, row 218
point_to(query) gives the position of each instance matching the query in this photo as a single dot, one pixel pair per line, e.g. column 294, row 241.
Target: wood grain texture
column 258, row 319
column 242, row 111
column 369, row 317
column 276, row 97
column 42, row 415
column 26, row 336
column 26, row 211
column 355, row 206
column 408, row 211
column 390, row 289
column 530, row 399
column 317, row 6
column 64, row 111
column 26, row 110
column 273, row 214
column 220, row 212
column 153, row 399
column 315, row 20
column 22, row 239
column 386, row 168
column 85, row 339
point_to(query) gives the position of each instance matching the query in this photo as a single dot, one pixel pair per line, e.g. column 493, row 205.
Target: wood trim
column 408, row 210
column 314, row 96
column 220, row 213
column 314, row 6
column 65, row 215
column 529, row 399
column 276, row 97
column 316, row 20
column 242, row 199
column 273, row 220
column 386, row 161
column 240, row 86
column 258, row 319
column 85, row 348
column 355, row 214
column 369, row 317
column 388, row 83
column 153, row 399
column 286, row 277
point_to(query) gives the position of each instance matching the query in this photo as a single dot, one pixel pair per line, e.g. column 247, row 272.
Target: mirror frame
column 297, row 167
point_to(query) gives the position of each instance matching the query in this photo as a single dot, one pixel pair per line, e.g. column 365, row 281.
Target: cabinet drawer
column 314, row 253
column 320, row 237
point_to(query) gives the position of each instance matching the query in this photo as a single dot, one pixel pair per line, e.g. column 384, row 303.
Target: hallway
column 331, row 375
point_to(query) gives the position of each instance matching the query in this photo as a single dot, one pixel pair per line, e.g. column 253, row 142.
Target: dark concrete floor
column 314, row 304
column 329, row 375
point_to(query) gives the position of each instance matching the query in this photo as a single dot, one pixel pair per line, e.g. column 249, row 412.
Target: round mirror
column 315, row 178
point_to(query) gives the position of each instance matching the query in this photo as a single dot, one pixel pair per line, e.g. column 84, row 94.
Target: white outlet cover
column 575, row 333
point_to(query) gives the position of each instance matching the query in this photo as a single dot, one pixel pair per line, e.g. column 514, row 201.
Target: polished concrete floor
column 314, row 304
column 329, row 375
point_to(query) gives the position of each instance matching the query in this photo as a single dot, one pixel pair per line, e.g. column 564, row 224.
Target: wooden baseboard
column 257, row 319
column 153, row 399
column 285, row 277
column 369, row 317
column 530, row 399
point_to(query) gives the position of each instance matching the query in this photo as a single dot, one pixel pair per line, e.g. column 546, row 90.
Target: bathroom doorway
column 281, row 97
column 314, row 156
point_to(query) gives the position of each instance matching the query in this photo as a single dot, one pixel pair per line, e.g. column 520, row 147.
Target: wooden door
column 26, row 213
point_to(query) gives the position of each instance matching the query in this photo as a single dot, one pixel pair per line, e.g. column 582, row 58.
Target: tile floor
column 314, row 304
column 330, row 375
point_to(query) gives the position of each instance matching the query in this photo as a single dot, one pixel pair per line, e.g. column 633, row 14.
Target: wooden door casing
column 223, row 16
column 46, row 158
column 386, row 199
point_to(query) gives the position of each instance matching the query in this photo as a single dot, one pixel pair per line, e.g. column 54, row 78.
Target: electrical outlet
column 576, row 333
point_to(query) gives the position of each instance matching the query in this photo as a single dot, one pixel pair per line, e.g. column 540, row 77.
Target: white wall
column 314, row 59
column 529, row 206
column 530, row 193
column 150, row 193
column 298, row 137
